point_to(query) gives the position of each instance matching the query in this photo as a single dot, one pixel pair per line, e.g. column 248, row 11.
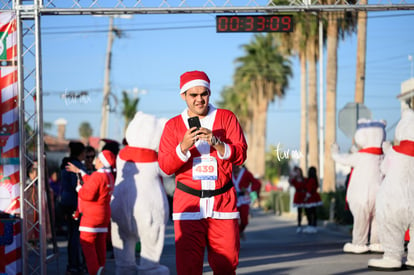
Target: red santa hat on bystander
column 192, row 79
column 107, row 158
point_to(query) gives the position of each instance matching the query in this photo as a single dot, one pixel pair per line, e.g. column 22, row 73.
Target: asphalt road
column 272, row 246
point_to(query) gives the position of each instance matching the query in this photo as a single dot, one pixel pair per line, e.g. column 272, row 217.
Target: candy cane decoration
column 9, row 116
column 10, row 236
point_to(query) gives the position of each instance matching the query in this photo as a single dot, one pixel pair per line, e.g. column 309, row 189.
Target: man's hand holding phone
column 194, row 122
column 190, row 135
column 195, row 132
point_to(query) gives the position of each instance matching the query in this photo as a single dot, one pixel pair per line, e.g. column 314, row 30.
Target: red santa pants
column 244, row 216
column 221, row 237
column 94, row 249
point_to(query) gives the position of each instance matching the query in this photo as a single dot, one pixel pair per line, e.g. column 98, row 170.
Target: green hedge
column 341, row 214
column 279, row 202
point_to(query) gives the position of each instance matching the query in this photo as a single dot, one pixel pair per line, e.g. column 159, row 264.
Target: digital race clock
column 254, row 23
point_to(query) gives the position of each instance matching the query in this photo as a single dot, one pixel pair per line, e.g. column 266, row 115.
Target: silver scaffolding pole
column 30, row 94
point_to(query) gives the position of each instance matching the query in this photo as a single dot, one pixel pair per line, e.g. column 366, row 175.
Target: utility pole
column 107, row 80
column 361, row 55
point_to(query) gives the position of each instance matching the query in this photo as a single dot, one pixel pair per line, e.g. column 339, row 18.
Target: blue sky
column 157, row 49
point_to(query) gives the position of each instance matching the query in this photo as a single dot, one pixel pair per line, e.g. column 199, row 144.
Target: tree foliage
column 129, row 107
column 263, row 73
column 276, row 164
column 85, row 130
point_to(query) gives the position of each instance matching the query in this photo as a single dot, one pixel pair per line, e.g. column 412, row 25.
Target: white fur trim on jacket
column 93, row 229
column 194, row 83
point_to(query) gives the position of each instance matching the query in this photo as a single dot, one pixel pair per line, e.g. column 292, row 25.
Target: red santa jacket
column 245, row 183
column 312, row 197
column 95, row 197
column 300, row 192
column 227, row 129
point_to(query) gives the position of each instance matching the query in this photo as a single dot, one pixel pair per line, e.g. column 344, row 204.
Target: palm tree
column 361, row 55
column 266, row 72
column 303, row 43
column 85, row 132
column 297, row 43
column 129, row 108
column 339, row 23
column 330, row 114
column 312, row 53
column 303, row 113
column 235, row 99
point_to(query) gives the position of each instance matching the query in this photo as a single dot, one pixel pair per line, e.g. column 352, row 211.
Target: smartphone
column 194, row 122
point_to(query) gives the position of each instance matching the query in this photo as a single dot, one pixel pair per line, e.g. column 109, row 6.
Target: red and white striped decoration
column 10, row 229
column 10, row 247
column 9, row 117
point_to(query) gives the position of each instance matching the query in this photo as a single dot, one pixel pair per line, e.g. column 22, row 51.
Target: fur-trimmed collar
column 406, row 147
column 137, row 154
column 372, row 150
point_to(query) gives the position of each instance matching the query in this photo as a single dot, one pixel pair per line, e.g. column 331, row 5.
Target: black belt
column 204, row 193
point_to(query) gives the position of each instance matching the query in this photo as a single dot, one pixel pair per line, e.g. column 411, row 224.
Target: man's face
column 197, row 99
column 98, row 163
column 89, row 158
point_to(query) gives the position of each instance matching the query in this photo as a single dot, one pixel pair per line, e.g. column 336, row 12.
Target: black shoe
column 73, row 271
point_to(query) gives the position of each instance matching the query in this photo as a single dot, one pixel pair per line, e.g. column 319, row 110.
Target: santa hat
column 107, row 158
column 192, row 79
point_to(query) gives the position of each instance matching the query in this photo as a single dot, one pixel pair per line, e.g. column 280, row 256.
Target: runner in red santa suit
column 94, row 199
column 205, row 203
column 244, row 182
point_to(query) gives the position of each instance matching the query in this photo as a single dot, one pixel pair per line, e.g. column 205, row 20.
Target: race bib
column 205, row 168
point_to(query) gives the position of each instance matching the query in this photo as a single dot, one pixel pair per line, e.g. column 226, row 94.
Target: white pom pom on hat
column 107, row 158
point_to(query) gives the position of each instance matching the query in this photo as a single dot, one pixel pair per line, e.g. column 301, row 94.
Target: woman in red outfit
column 312, row 200
column 297, row 180
column 94, row 199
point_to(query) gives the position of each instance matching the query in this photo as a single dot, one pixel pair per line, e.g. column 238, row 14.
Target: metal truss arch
column 77, row 7
column 29, row 13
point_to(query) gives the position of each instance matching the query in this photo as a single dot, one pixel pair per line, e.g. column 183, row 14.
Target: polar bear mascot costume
column 364, row 183
column 395, row 200
column 139, row 204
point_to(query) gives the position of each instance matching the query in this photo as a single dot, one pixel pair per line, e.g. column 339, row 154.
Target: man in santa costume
column 94, row 205
column 245, row 183
column 205, row 201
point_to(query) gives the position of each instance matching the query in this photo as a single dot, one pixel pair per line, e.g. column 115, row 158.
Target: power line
column 135, row 29
column 104, row 28
column 126, row 24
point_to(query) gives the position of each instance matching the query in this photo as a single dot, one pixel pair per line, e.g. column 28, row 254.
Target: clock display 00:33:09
column 254, row 23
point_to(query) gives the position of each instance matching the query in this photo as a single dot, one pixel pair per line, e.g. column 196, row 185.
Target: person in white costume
column 364, row 183
column 395, row 200
column 139, row 204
